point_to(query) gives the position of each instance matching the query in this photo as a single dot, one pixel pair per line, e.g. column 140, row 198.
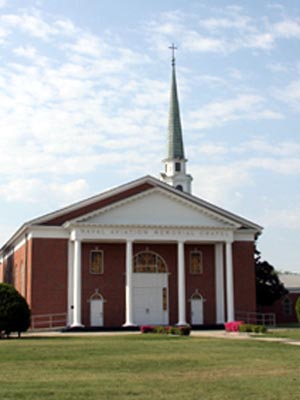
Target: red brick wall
column 205, row 282
column 46, row 282
column 49, row 275
column 244, row 276
column 19, row 270
column 111, row 284
column 16, row 270
column 1, row 272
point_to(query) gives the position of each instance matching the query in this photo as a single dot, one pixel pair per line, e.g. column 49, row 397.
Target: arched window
column 287, row 306
column 179, row 187
column 149, row 261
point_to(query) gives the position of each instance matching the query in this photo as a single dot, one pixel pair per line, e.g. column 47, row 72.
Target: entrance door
column 197, row 311
column 150, row 299
column 96, row 312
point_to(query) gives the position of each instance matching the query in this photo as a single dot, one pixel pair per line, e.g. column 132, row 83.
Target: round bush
column 14, row 311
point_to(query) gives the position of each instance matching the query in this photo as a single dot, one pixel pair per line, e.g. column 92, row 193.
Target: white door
column 149, row 304
column 197, row 311
column 96, row 312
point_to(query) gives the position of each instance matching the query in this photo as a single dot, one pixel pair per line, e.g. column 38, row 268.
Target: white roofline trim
column 127, row 186
column 144, row 194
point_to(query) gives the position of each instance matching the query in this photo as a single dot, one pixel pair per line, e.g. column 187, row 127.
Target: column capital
column 75, row 235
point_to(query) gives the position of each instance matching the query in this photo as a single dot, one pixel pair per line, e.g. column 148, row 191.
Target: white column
column 70, row 282
column 181, row 285
column 219, row 273
column 128, row 288
column 229, row 282
column 77, row 285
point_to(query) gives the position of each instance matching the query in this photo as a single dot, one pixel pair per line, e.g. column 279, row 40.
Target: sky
column 84, row 97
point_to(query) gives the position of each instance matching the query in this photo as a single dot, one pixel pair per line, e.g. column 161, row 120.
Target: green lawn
column 147, row 367
column 293, row 334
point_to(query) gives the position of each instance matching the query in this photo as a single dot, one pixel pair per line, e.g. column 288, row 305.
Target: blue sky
column 84, row 90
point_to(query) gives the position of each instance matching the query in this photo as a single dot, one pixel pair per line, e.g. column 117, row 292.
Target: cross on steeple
column 173, row 48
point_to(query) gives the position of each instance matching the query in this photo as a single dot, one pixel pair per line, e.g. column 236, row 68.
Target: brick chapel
column 146, row 252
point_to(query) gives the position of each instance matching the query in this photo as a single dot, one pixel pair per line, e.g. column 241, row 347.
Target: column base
column 129, row 325
column 182, row 323
column 76, row 325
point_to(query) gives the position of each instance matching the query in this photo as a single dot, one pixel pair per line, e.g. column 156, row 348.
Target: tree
column 14, row 311
column 268, row 285
column 297, row 308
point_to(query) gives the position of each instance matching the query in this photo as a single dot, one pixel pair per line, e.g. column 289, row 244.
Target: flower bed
column 233, row 326
column 183, row 330
column 240, row 326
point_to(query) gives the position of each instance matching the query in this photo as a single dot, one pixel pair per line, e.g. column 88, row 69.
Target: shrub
column 147, row 329
column 14, row 311
column 160, row 329
column 245, row 328
column 185, row 330
column 170, row 330
column 252, row 328
column 297, row 308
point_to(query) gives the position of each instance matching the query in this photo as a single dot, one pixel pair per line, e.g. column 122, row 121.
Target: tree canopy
column 297, row 308
column 14, row 310
column 268, row 285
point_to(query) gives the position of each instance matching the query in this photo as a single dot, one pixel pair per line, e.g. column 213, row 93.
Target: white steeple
column 175, row 163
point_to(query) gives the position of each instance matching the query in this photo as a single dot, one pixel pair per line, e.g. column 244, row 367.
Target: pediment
column 156, row 207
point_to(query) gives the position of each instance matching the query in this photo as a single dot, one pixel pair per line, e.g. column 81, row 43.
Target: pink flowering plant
column 233, row 326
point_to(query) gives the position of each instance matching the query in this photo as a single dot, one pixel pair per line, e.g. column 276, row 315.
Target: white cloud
column 27, row 51
column 199, row 43
column 288, row 28
column 221, row 184
column 283, row 218
column 244, row 106
column 285, row 166
column 33, row 24
column 235, row 22
column 290, row 94
column 284, row 149
column 34, row 189
column 230, row 30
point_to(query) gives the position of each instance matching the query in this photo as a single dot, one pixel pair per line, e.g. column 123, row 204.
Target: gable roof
column 291, row 281
column 122, row 192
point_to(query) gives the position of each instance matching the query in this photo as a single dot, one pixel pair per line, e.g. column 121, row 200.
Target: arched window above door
column 149, row 261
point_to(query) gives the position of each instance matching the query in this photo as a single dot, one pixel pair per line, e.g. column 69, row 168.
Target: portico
column 220, row 239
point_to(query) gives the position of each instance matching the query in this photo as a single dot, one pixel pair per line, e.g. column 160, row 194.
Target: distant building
column 284, row 308
column 147, row 252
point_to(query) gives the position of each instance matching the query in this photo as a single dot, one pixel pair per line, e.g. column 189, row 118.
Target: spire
column 175, row 142
column 175, row 163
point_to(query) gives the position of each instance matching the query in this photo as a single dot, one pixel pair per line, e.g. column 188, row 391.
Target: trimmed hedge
column 167, row 330
column 252, row 328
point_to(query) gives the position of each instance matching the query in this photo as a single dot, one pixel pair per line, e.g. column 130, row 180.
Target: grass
column 147, row 367
column 293, row 334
